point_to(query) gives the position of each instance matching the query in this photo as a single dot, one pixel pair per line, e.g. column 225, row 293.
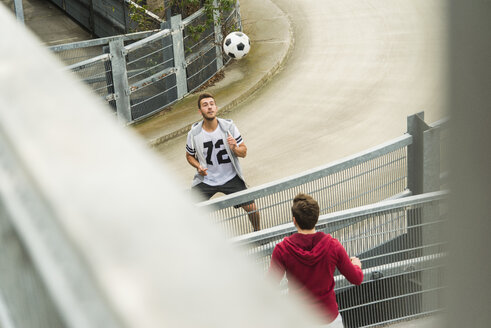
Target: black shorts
column 234, row 185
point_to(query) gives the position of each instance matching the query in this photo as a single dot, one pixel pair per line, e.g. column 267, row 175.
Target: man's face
column 208, row 108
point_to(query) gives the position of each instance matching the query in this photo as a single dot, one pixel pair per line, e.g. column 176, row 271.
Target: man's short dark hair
column 305, row 209
column 203, row 96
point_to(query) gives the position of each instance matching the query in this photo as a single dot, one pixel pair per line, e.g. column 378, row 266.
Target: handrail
column 189, row 19
column 89, row 61
column 149, row 13
column 340, row 216
column 309, row 175
column 101, row 41
column 143, row 42
column 443, row 123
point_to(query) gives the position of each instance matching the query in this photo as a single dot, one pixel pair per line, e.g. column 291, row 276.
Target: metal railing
column 78, row 52
column 399, row 241
column 401, row 245
column 140, row 74
column 371, row 176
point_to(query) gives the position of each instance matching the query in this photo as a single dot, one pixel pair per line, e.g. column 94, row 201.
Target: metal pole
column 120, row 80
column 167, row 10
column 431, row 160
column 179, row 56
column 415, row 127
column 19, row 10
column 237, row 14
column 92, row 18
column 218, row 34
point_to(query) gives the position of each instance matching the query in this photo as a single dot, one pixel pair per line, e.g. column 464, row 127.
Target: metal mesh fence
column 366, row 178
column 76, row 55
column 91, row 62
column 201, row 68
column 96, row 73
column 197, row 34
column 151, row 76
column 231, row 22
column 76, row 52
column 200, row 51
column 401, row 246
column 200, row 47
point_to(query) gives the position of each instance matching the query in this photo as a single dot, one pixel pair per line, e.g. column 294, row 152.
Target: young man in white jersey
column 213, row 147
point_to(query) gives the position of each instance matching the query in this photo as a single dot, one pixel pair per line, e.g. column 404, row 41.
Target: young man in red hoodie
column 309, row 259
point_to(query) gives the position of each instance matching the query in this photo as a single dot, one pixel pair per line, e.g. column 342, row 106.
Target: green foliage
column 144, row 22
column 185, row 8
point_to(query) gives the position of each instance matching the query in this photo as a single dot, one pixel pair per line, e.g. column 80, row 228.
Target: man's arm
column 276, row 267
column 238, row 150
column 349, row 267
column 195, row 163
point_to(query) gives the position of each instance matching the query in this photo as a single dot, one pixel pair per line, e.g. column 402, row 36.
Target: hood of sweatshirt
column 308, row 248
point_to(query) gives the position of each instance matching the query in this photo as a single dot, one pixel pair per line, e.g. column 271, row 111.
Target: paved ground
column 270, row 34
column 349, row 74
column 324, row 80
column 426, row 322
column 49, row 23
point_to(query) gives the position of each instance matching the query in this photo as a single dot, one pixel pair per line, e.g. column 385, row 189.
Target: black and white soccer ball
column 236, row 45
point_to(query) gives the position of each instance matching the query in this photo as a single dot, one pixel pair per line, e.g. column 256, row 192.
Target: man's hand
column 194, row 163
column 202, row 171
column 238, row 150
column 231, row 141
column 356, row 261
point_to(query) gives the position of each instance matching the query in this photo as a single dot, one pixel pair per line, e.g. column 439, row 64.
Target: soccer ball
column 236, row 45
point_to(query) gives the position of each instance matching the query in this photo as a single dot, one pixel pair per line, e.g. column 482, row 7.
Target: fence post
column 120, row 80
column 91, row 17
column 431, row 160
column 237, row 14
column 167, row 10
column 179, row 57
column 424, row 176
column 218, row 34
column 432, row 231
column 415, row 127
column 19, row 10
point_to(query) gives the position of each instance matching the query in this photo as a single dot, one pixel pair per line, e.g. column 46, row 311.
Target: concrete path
column 270, row 33
column 50, row 24
column 324, row 80
column 351, row 74
column 433, row 321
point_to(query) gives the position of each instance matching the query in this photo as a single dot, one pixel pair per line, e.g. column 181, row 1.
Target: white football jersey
column 220, row 167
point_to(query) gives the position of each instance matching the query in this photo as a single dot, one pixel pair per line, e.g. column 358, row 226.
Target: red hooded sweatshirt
column 309, row 261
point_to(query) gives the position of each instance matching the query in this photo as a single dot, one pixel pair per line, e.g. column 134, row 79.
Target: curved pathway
column 356, row 71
